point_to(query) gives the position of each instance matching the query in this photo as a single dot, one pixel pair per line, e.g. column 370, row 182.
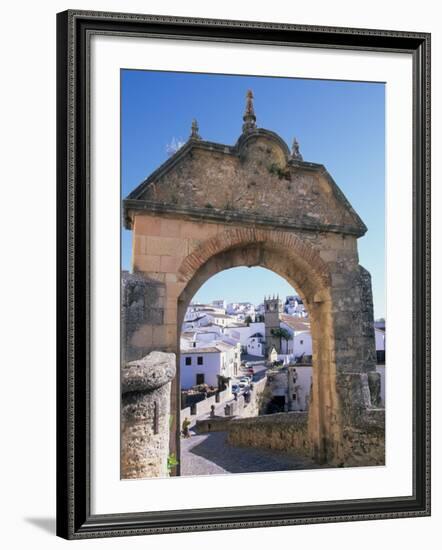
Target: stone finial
column 295, row 154
column 195, row 130
column 249, row 114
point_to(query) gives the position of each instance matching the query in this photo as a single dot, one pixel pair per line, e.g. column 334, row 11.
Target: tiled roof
column 210, row 349
column 295, row 323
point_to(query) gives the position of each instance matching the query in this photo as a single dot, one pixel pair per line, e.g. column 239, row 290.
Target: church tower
column 272, row 310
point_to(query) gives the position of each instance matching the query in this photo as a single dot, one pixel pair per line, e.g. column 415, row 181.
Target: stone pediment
column 256, row 181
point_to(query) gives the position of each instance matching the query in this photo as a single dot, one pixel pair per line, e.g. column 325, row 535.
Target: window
column 301, row 342
column 199, row 360
column 188, row 360
column 294, row 396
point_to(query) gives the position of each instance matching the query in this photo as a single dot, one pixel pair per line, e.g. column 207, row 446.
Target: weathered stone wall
column 216, row 424
column 283, row 432
column 145, row 414
column 253, row 407
column 364, row 442
column 254, row 177
column 142, row 314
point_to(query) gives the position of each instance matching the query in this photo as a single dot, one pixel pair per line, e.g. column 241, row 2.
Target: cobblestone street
column 210, row 453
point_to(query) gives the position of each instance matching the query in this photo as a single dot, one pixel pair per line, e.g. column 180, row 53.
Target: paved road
column 258, row 364
column 207, row 454
column 260, row 370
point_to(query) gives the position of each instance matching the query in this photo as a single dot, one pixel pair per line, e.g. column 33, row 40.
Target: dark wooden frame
column 74, row 519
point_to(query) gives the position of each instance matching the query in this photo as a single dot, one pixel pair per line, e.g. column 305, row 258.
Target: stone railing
column 145, row 413
column 215, row 424
column 203, row 407
column 283, row 431
column 234, row 408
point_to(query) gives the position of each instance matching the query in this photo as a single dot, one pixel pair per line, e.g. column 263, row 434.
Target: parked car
column 235, row 388
column 246, row 379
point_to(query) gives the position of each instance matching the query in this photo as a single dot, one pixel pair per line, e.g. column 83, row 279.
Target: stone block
column 170, row 227
column 166, row 246
column 329, row 255
column 170, row 264
column 147, row 263
column 147, row 225
column 142, row 337
column 198, row 230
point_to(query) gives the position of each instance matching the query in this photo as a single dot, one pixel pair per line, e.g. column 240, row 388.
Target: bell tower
column 272, row 311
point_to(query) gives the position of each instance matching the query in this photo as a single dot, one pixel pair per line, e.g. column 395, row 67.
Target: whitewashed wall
column 211, row 367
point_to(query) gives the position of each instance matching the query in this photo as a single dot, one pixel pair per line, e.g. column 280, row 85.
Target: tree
column 248, row 320
column 282, row 334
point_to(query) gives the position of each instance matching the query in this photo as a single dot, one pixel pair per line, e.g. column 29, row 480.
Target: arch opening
column 321, row 435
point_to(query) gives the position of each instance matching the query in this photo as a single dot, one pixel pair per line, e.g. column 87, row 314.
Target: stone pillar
column 357, row 381
column 356, row 359
column 368, row 347
column 142, row 315
column 145, row 415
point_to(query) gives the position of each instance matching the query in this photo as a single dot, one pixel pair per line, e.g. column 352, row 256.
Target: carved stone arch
column 301, row 265
column 301, row 251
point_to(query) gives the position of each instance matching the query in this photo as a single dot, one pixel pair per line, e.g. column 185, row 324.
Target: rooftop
column 218, row 347
column 296, row 323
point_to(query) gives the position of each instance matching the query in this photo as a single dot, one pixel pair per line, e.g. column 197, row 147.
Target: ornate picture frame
column 75, row 516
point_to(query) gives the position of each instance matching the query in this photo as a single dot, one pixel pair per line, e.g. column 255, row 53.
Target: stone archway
column 298, row 263
column 211, row 207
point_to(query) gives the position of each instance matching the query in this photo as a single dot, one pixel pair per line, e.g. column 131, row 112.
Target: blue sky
column 339, row 124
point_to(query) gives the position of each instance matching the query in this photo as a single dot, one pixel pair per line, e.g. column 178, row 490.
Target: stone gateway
column 211, row 207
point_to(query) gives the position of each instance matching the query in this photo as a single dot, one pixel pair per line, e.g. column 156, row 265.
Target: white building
column 301, row 344
column 221, row 319
column 204, row 364
column 295, row 306
column 244, row 333
column 201, row 315
column 241, row 310
column 219, row 304
column 256, row 344
column 273, row 355
column 299, row 385
column 301, row 338
column 195, row 322
column 200, row 336
column 379, row 334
